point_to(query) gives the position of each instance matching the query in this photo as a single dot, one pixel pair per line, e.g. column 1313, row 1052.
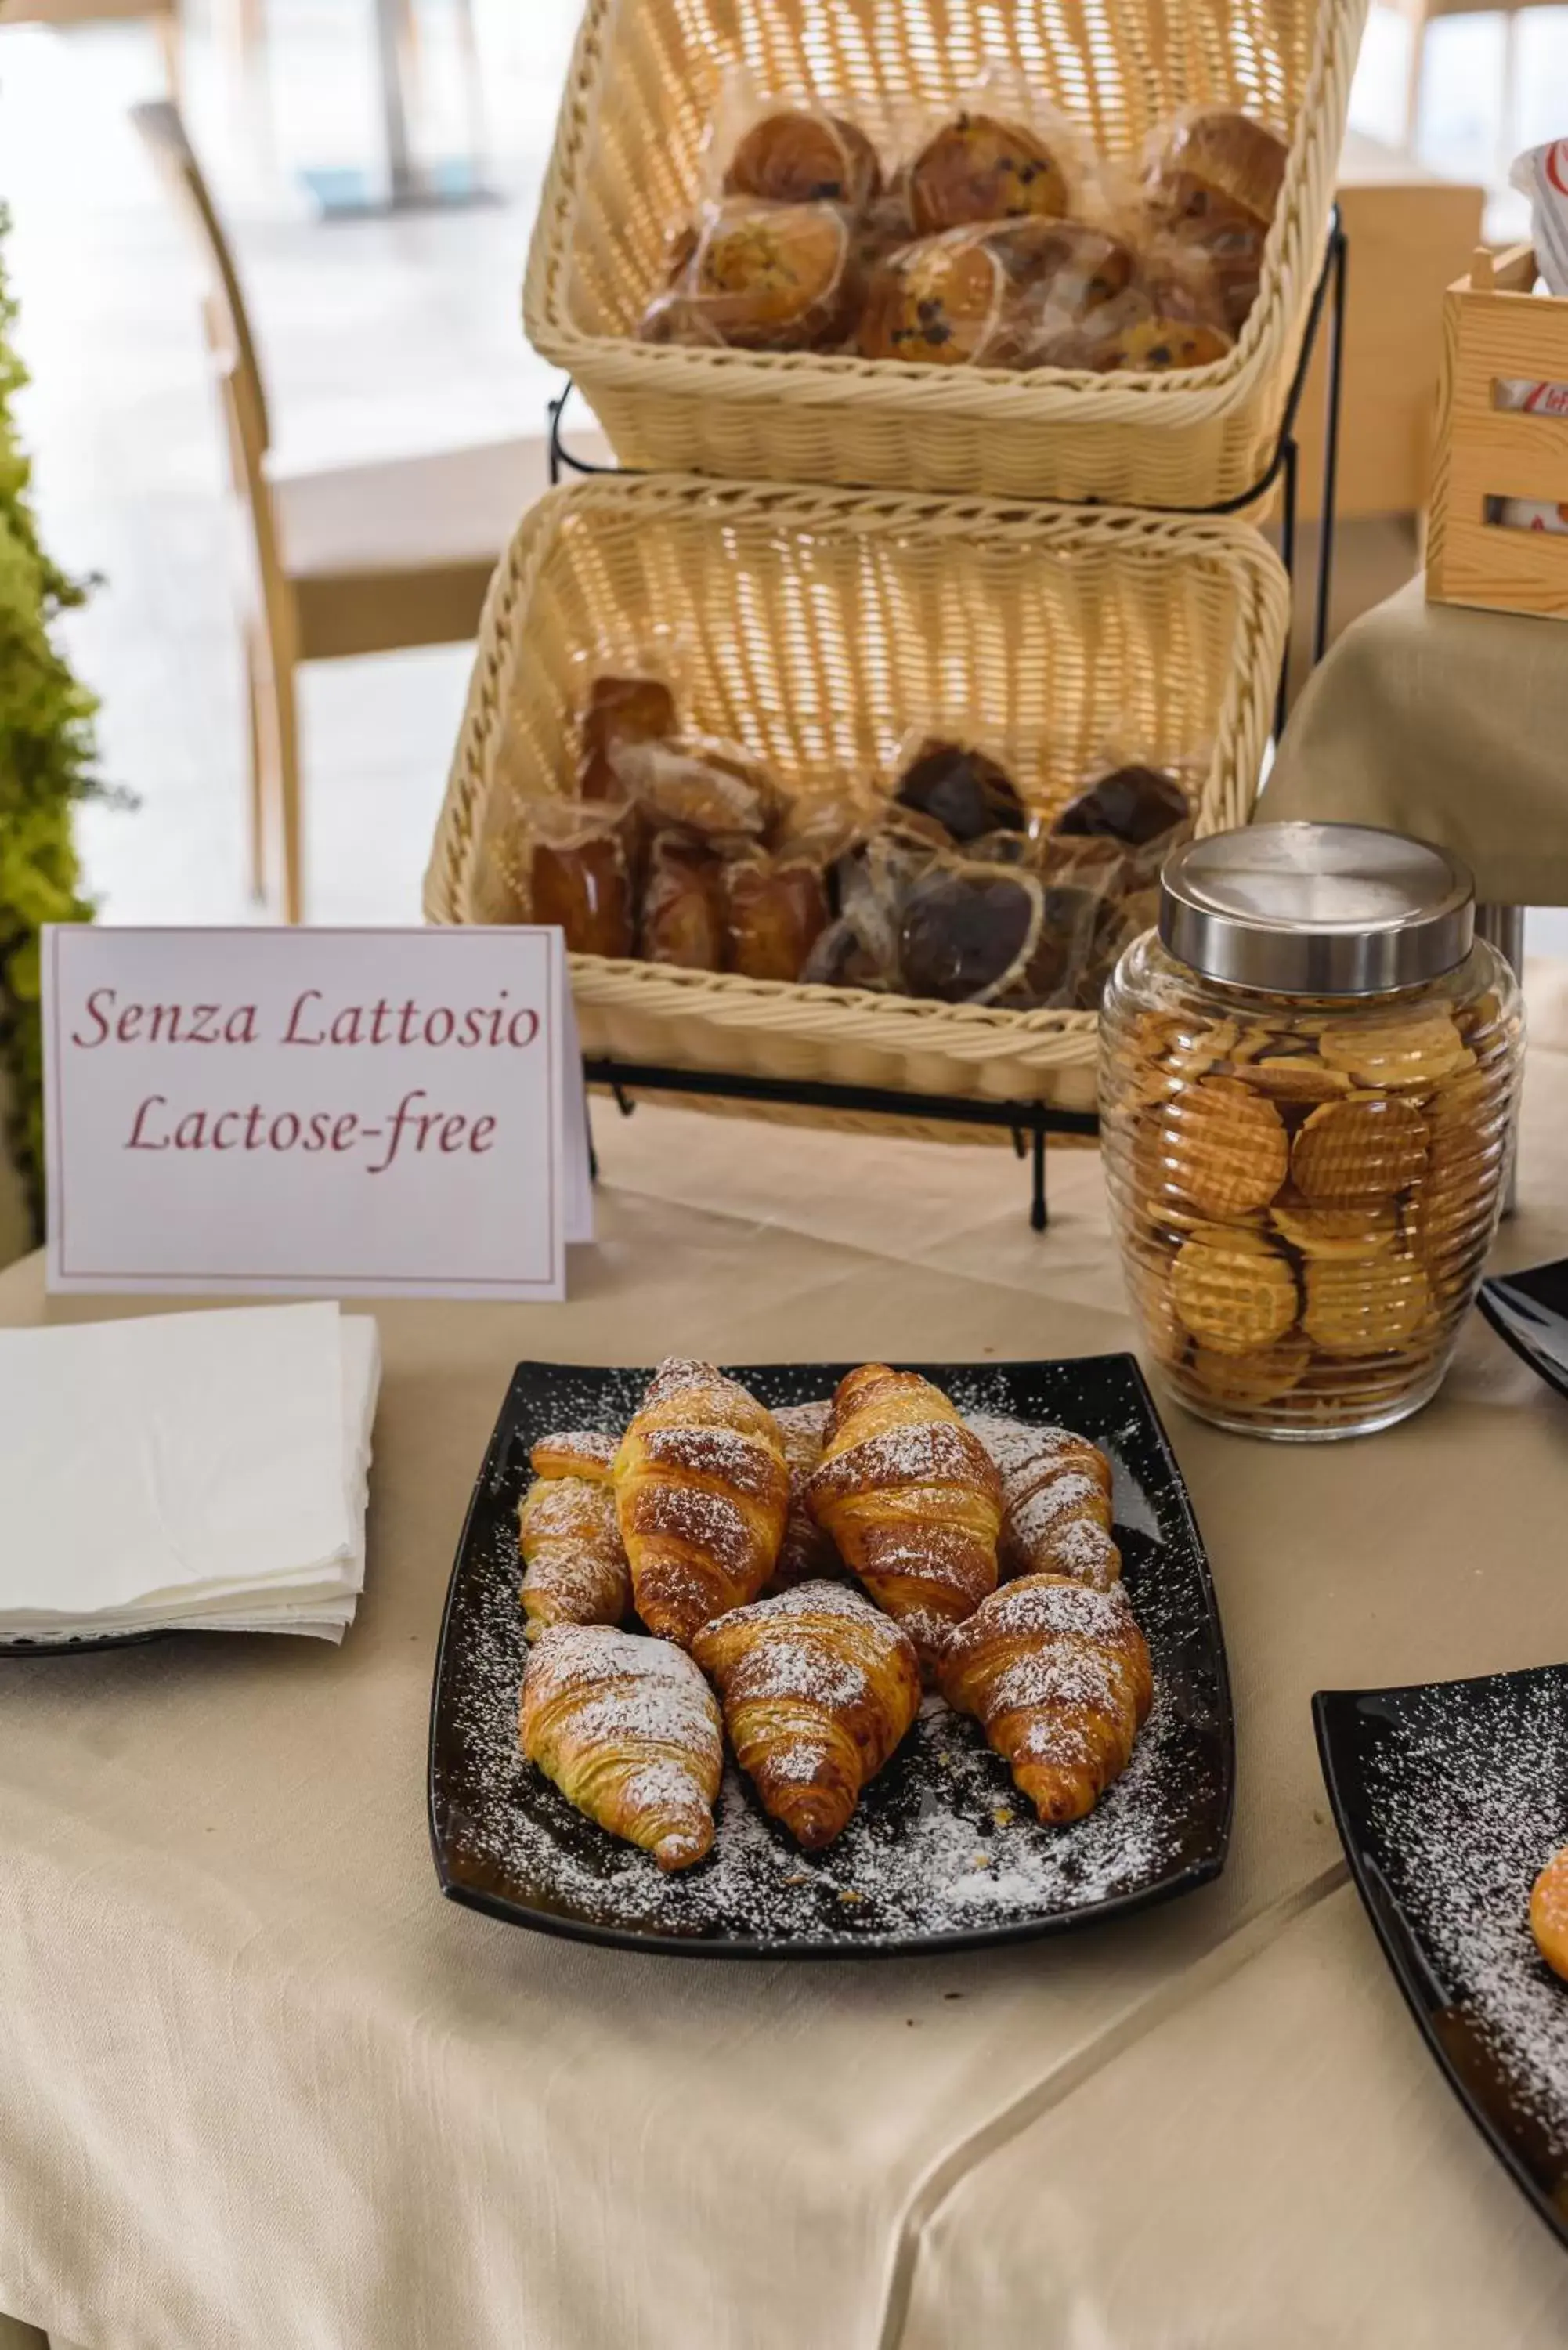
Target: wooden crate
column 1495, row 330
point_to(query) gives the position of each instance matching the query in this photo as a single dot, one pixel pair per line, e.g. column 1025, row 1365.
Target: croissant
column 807, row 1552
column 629, row 1732
column 818, row 1688
column 1058, row 1677
column 911, row 1499
column 577, row 1452
column 1056, row 1501
column 573, row 1561
column 703, row 1493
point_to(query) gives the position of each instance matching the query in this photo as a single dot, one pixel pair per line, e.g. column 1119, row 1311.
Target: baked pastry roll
column 629, row 1732
column 698, row 785
column 775, row 914
column 620, row 709
column 818, row 1687
column 937, row 303
column 575, row 1566
column 795, row 156
column 1216, row 165
column 911, row 1499
column 1056, row 1503
column 683, row 920
column 703, row 1493
column 1058, row 1677
column 968, row 793
column 806, row 1553
column 977, row 168
column 576, row 1453
column 581, row 857
column 775, row 276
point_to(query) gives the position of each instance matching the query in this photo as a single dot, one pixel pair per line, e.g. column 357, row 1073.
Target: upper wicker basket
column 818, row 628
column 645, row 81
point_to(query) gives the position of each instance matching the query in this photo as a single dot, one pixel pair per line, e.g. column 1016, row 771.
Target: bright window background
column 378, row 336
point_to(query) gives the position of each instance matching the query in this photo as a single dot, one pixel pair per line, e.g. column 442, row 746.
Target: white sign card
column 342, row 1113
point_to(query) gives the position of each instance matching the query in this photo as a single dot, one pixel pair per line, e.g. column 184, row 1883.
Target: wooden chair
column 363, row 558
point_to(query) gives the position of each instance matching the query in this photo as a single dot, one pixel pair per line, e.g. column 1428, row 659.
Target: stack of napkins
column 199, row 1471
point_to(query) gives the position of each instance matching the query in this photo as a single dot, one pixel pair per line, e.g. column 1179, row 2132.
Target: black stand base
column 1029, row 1123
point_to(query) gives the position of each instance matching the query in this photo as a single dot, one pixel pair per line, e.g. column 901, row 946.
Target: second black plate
column 942, row 1854
column 1449, row 1798
column 1528, row 1311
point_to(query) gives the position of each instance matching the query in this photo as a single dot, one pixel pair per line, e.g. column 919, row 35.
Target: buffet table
column 263, row 2087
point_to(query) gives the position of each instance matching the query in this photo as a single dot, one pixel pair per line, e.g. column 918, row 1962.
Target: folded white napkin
column 199, row 1469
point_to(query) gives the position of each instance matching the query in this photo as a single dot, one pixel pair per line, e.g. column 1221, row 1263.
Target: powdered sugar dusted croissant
column 818, row 1687
column 913, row 1500
column 703, row 1493
column 629, row 1732
column 807, row 1552
column 574, row 1564
column 1056, row 1501
column 577, row 1452
column 1058, row 1677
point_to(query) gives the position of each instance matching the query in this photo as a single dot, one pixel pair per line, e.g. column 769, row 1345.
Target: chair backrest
column 238, row 371
column 226, row 320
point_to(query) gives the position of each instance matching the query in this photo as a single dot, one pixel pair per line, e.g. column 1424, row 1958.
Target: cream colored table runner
column 1449, row 725
column 264, row 2090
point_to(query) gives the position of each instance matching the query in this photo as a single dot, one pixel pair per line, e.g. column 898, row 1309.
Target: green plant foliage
column 47, row 752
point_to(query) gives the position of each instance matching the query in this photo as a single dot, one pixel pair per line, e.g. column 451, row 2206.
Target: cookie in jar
column 1309, row 1082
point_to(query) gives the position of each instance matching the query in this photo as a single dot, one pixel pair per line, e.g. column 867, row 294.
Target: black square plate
column 1529, row 1312
column 941, row 1855
column 1449, row 1798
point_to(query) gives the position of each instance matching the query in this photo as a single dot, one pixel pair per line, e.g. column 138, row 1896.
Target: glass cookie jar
column 1308, row 1085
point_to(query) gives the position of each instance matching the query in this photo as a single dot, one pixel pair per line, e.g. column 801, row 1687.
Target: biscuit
column 1297, row 1078
column 1192, row 1053
column 1408, row 1051
column 1232, row 1292
column 1365, row 1307
column 1225, row 1149
column 1368, row 1229
column 1256, row 1378
column 1366, row 1147
column 1148, row 1286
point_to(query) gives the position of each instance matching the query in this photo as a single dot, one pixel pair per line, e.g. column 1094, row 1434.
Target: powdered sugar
column 1469, row 1799
column 805, row 1421
column 1085, row 1551
column 932, row 1452
column 819, row 1599
column 593, row 1448
column 743, row 1463
column 1033, row 1607
column 1012, row 1444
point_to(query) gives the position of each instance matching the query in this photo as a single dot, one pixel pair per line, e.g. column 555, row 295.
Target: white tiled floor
column 377, row 335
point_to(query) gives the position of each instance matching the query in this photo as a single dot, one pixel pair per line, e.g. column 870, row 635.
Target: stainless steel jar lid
column 1316, row 908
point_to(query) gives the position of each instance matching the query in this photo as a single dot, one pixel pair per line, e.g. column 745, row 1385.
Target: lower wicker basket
column 821, row 628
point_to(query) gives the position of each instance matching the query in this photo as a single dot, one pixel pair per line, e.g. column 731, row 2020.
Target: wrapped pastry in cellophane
column 1002, row 154
column 1212, row 180
column 940, row 878
column 761, row 276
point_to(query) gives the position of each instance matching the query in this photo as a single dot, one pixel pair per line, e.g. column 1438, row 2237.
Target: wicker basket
column 819, row 628
column 626, row 165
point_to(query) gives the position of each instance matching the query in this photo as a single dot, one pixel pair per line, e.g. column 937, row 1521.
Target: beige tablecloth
column 262, row 2090
column 1449, row 725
